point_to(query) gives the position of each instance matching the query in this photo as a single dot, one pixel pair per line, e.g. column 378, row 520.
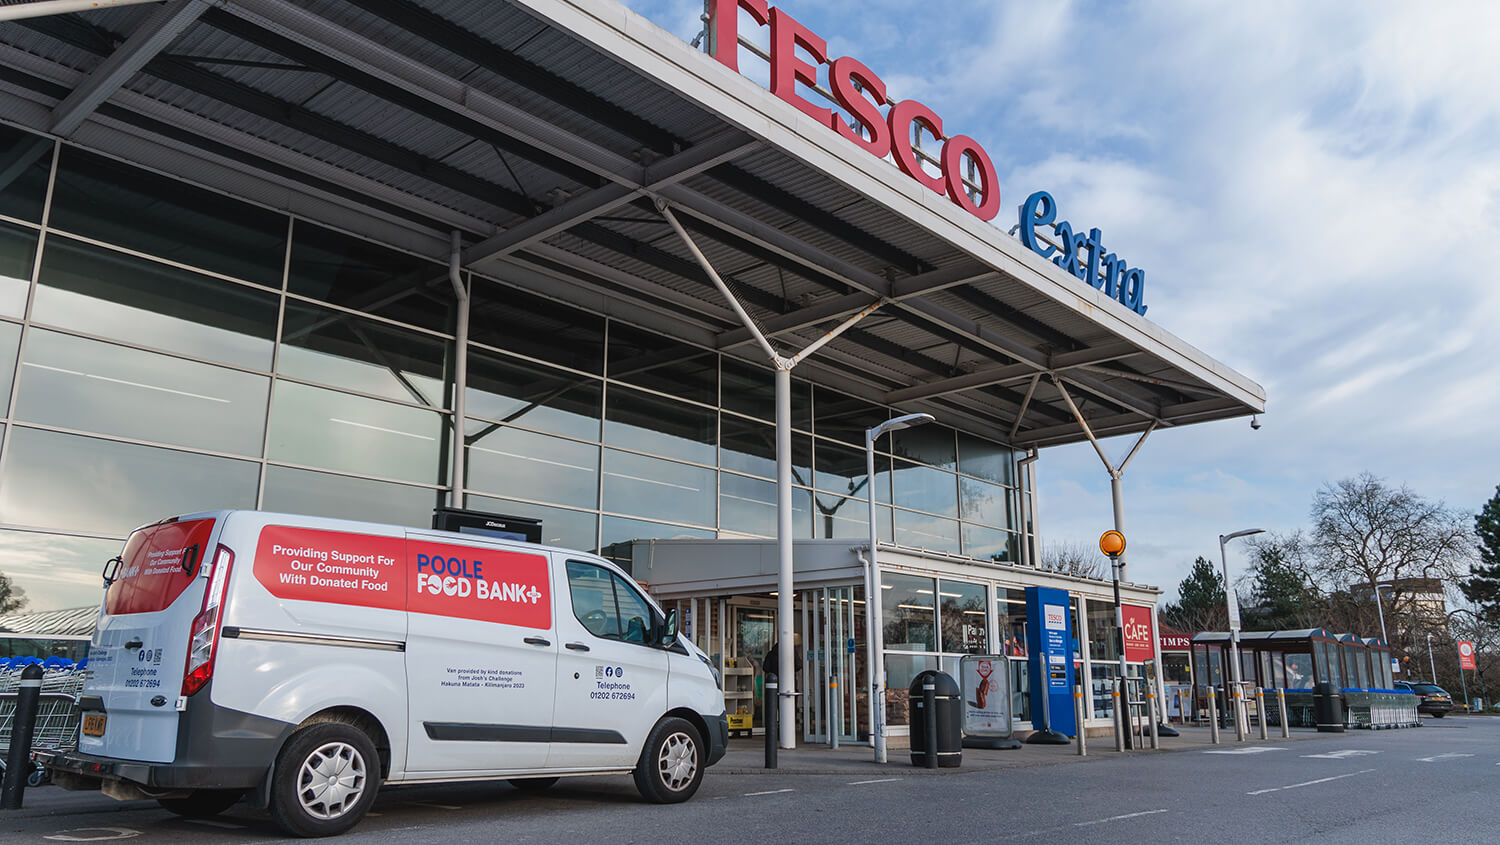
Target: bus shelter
column 1293, row 661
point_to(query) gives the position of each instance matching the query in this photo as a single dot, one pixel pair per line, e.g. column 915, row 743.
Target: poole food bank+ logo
column 487, row 585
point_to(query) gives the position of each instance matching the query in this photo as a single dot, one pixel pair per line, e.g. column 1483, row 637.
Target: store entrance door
column 833, row 633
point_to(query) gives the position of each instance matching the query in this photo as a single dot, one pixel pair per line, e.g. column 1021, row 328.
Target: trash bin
column 1328, row 708
column 947, row 715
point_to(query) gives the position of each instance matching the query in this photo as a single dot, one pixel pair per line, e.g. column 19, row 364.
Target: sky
column 1312, row 188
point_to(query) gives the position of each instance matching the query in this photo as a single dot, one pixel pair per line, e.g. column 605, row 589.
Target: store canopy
column 547, row 132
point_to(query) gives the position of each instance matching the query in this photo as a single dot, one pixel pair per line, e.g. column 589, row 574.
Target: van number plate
column 93, row 724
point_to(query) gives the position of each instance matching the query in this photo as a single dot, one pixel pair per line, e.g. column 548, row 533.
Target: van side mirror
column 669, row 628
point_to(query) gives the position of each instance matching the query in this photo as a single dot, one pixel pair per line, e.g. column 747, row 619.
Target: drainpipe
column 460, row 370
column 1028, row 509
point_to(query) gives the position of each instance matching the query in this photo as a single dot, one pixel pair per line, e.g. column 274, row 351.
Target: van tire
column 317, row 755
column 533, row 784
column 671, row 765
column 202, row 803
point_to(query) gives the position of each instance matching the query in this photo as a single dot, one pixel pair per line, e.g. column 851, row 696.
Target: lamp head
column 897, row 424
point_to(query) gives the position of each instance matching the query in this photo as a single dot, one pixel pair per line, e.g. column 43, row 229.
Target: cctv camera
column 1255, row 422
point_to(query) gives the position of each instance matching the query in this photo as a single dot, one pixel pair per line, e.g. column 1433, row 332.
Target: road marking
column 79, row 834
column 1441, row 757
column 216, row 823
column 1254, row 749
column 1118, row 818
column 1309, row 782
column 771, row 792
column 863, row 782
column 1339, row 755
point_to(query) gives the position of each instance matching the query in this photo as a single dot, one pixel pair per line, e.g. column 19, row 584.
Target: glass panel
column 1104, row 636
column 97, row 291
column 926, row 489
column 560, row 526
column 106, row 200
column 751, row 390
column 901, row 670
column 365, row 276
column 658, row 489
column 653, row 424
column 341, row 350
column 71, row 382
column 17, row 255
column 910, row 615
column 1299, row 671
column 1101, row 683
column 322, row 428
column 748, row 506
column 515, row 462
column 920, row 531
column 1010, row 607
column 750, row 447
column 1020, row 692
column 592, row 591
column 79, row 483
column 534, row 396
column 303, row 491
column 635, row 613
column 984, row 459
column 847, row 517
column 660, row 363
column 53, row 571
column 25, row 161
column 10, row 339
column 615, row 533
column 925, row 444
column 990, row 543
column 980, row 501
column 844, row 417
column 1278, row 671
column 962, row 615
column 509, row 319
column 841, row 470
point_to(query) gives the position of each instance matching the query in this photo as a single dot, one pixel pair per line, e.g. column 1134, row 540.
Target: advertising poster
column 986, row 691
column 1139, row 646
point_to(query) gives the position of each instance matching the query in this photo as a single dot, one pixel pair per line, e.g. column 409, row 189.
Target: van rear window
column 158, row 564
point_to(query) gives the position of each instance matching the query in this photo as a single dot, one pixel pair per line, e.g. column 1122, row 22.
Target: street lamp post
column 1234, row 628
column 874, row 625
column 1431, row 664
column 1381, row 611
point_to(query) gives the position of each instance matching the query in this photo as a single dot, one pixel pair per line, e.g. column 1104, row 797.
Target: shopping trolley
column 57, row 707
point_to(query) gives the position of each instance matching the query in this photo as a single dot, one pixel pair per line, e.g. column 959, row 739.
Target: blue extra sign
column 1049, row 640
column 1082, row 255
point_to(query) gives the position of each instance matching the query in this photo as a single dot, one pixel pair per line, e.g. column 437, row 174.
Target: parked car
column 1431, row 698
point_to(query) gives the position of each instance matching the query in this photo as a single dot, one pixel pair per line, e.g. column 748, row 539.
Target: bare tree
column 1365, row 532
column 1074, row 558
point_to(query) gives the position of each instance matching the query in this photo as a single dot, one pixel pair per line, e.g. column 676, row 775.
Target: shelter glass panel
column 110, row 294
column 26, row 159
column 17, row 256
column 748, row 506
column 637, row 485
column 922, row 531
column 56, row 570
column 365, row 276
column 508, row 461
column 925, row 489
column 990, row 543
column 647, row 359
column 1299, row 670
column 291, row 490
column 750, row 447
column 645, row 422
column 76, row 483
column 101, row 198
column 985, row 459
column 340, row 349
column 910, row 613
column 331, row 430
column 535, row 396
column 1278, row 670
column 962, row 615
column 563, row 527
column 515, row 321
column 73, row 382
column 844, row 417
column 929, row 444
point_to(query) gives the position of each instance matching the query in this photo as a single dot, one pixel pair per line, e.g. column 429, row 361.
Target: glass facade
column 166, row 349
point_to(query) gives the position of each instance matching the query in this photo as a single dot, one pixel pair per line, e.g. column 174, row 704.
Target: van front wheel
column 671, row 764
column 326, row 778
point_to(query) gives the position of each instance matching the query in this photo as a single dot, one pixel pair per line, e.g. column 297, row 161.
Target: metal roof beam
column 160, row 29
column 1020, row 372
column 1131, row 423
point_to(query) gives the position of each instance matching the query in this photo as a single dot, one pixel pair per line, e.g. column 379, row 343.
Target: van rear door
column 140, row 647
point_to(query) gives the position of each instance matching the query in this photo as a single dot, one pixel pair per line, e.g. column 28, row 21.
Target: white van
column 304, row 661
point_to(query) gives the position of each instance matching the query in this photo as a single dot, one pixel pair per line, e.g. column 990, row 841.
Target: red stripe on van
column 158, row 564
column 332, row 566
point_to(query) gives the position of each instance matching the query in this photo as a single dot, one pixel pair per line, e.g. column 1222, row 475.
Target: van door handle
column 536, row 641
column 578, row 647
column 134, row 644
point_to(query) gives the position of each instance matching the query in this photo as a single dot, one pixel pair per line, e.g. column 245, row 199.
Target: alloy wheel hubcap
column 678, row 761
column 331, row 780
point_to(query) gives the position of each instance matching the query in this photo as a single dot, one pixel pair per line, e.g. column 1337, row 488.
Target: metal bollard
column 1213, row 715
column 1239, row 714
column 772, row 706
column 1119, row 717
column 1286, row 722
column 929, row 704
column 23, row 725
column 1260, row 710
column 1151, row 717
column 1083, row 748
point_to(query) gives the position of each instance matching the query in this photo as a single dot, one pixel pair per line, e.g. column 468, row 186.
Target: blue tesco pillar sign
column 1049, row 640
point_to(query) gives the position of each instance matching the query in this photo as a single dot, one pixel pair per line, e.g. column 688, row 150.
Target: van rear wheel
column 325, row 780
column 202, row 803
column 671, row 764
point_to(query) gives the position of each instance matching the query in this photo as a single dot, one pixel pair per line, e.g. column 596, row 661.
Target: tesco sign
column 862, row 94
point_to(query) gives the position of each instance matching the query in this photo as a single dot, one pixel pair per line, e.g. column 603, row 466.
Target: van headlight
column 713, row 670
